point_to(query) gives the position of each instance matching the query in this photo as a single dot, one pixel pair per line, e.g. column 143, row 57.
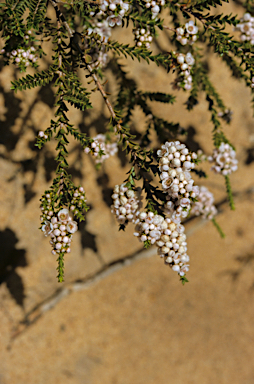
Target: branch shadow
column 13, row 105
column 250, row 156
column 244, row 262
column 190, row 140
column 11, row 258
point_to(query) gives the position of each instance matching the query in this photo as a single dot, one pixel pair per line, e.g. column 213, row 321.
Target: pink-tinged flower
column 63, row 215
column 167, row 182
column 155, row 234
column 180, row 31
column 163, row 151
column 114, row 20
column 185, row 202
column 72, row 226
column 189, row 59
column 47, row 228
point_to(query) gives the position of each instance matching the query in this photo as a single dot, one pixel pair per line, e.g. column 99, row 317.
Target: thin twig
column 190, row 13
column 61, row 17
column 170, row 29
column 59, row 42
column 89, row 68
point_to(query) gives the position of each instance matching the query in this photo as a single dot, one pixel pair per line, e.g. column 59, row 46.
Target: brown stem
column 60, row 184
column 170, row 29
column 61, row 18
column 89, row 68
column 190, row 13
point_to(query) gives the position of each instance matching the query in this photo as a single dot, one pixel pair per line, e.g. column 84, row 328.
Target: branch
column 71, row 34
column 61, row 18
column 190, row 13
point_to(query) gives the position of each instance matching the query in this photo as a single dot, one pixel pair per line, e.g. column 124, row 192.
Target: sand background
column 121, row 316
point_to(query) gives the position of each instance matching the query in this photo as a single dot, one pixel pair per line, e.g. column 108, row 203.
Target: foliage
column 79, row 43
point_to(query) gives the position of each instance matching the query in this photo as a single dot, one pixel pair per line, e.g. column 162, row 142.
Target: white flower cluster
column 125, row 204
column 224, row 159
column 100, row 58
column 99, row 145
column 154, row 6
column 252, row 82
column 78, row 199
column 113, row 11
column 143, row 37
column 205, row 204
column 175, row 165
column 246, row 27
column 22, row 56
column 187, row 34
column 60, row 229
column 185, row 62
column 168, row 235
column 101, row 28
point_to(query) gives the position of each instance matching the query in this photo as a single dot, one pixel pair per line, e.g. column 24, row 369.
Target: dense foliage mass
column 80, row 33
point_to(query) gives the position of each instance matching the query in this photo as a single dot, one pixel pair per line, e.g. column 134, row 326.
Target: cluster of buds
column 47, row 207
column 60, row 227
column 100, row 149
column 252, row 82
column 224, row 159
column 78, row 201
column 143, row 37
column 155, row 6
column 246, row 27
column 185, row 63
column 187, row 34
column 101, row 28
column 22, row 56
column 113, row 11
column 126, row 204
column 175, row 164
column 98, row 53
column 168, row 235
column 204, row 206
column 99, row 58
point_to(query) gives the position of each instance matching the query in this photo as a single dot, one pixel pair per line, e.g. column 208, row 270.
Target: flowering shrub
column 82, row 37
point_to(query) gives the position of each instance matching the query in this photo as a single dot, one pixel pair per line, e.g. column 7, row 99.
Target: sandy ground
column 122, row 316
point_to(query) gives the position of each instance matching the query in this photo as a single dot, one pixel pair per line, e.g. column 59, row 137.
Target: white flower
column 47, row 228
column 114, row 20
column 180, row 31
column 191, row 28
column 155, row 9
column 185, row 202
column 155, row 234
column 72, row 226
column 180, row 58
column 189, row 59
column 247, row 17
column 167, row 182
column 163, row 151
column 63, row 214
